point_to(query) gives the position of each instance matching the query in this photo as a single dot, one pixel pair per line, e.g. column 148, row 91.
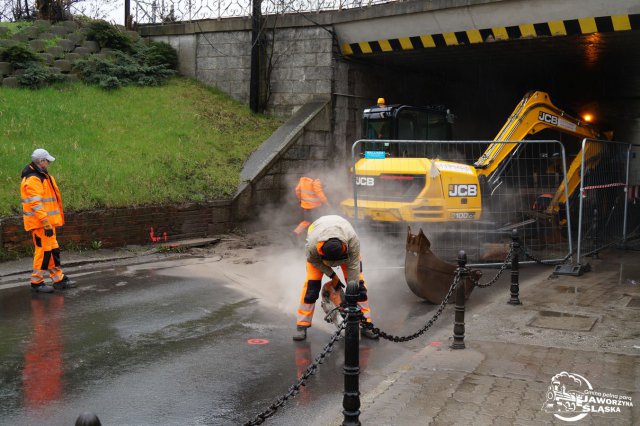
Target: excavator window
column 402, row 122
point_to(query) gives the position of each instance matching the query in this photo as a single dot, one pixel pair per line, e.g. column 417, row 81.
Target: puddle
column 563, row 321
column 629, row 276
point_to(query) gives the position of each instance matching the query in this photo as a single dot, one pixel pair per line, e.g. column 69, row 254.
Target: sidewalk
column 585, row 326
column 20, row 269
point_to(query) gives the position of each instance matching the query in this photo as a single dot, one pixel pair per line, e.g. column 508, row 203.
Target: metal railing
column 164, row 11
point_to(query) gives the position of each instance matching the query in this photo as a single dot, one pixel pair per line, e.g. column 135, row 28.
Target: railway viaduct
column 476, row 57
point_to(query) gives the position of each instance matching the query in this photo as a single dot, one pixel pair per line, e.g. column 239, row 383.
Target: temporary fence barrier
column 604, row 209
column 632, row 228
column 445, row 188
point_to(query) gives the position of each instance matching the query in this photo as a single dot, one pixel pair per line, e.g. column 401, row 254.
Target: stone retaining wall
column 303, row 145
column 123, row 226
column 219, row 54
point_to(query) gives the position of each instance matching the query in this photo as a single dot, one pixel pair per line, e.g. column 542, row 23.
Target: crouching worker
column 331, row 242
column 42, row 213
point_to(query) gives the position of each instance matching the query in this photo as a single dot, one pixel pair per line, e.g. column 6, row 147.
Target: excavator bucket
column 428, row 276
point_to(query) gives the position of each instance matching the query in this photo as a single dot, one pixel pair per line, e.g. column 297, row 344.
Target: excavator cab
column 404, row 122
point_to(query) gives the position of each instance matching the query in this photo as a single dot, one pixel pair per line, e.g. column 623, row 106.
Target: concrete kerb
column 13, row 270
column 23, row 265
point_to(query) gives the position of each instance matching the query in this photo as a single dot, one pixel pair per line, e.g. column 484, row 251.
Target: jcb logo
column 463, row 190
column 364, row 181
column 548, row 118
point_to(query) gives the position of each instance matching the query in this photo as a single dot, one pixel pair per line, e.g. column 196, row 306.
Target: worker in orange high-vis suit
column 331, row 242
column 311, row 194
column 42, row 213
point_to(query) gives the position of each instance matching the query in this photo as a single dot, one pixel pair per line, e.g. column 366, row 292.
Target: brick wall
column 123, row 226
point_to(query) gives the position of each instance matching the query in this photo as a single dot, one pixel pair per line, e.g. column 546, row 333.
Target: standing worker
column 331, row 242
column 42, row 213
column 310, row 192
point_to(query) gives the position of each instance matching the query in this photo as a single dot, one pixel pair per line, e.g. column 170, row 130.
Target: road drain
column 563, row 321
column 634, row 302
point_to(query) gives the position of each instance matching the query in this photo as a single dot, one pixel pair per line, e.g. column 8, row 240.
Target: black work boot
column 64, row 284
column 41, row 288
column 368, row 333
column 301, row 333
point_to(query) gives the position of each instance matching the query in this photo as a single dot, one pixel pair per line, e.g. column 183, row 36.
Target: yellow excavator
column 424, row 190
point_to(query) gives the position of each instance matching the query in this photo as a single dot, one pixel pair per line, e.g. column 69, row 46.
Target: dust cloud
column 269, row 265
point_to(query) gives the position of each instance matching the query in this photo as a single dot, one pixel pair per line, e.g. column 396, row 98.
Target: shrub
column 160, row 53
column 19, row 55
column 121, row 70
column 36, row 76
column 108, row 36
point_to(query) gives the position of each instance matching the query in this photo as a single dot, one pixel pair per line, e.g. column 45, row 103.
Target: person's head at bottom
column 88, row 419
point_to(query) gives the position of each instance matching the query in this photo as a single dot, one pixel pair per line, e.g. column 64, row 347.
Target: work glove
column 48, row 229
column 336, row 283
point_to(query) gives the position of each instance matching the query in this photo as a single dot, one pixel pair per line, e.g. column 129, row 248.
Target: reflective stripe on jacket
column 40, row 198
column 310, row 193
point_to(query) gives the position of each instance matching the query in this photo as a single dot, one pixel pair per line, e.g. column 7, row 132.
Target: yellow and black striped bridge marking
column 578, row 26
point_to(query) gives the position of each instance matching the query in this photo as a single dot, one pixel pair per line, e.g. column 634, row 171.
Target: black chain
column 495, row 279
column 428, row 325
column 295, row 388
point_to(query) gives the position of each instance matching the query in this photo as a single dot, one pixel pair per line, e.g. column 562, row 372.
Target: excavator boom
column 534, row 113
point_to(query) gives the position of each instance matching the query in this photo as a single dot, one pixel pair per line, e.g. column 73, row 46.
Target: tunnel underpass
column 482, row 83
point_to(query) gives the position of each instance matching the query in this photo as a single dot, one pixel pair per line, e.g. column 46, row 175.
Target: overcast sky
column 117, row 15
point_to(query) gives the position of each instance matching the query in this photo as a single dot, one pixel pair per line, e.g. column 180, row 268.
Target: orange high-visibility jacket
column 310, row 193
column 41, row 200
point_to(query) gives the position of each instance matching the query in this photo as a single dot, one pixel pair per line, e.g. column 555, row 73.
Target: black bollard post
column 515, row 269
column 595, row 234
column 88, row 419
column 458, row 326
column 351, row 399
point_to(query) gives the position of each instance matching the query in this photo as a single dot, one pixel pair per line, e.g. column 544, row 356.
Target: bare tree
column 55, row 10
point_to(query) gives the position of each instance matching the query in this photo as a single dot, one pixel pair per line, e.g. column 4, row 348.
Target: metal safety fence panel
column 632, row 228
column 605, row 214
column 434, row 185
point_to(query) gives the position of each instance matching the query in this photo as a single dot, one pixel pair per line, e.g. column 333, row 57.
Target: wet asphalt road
column 154, row 344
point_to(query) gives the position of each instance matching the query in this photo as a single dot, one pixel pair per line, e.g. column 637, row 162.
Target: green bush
column 19, row 55
column 109, row 36
column 160, row 53
column 36, row 76
column 121, row 70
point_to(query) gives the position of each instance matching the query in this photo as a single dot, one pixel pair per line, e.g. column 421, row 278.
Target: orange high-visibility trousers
column 46, row 257
column 311, row 292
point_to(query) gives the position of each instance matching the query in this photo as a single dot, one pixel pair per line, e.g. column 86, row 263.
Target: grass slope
column 133, row 146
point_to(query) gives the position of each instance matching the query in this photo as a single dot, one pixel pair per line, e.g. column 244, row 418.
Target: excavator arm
column 534, row 113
